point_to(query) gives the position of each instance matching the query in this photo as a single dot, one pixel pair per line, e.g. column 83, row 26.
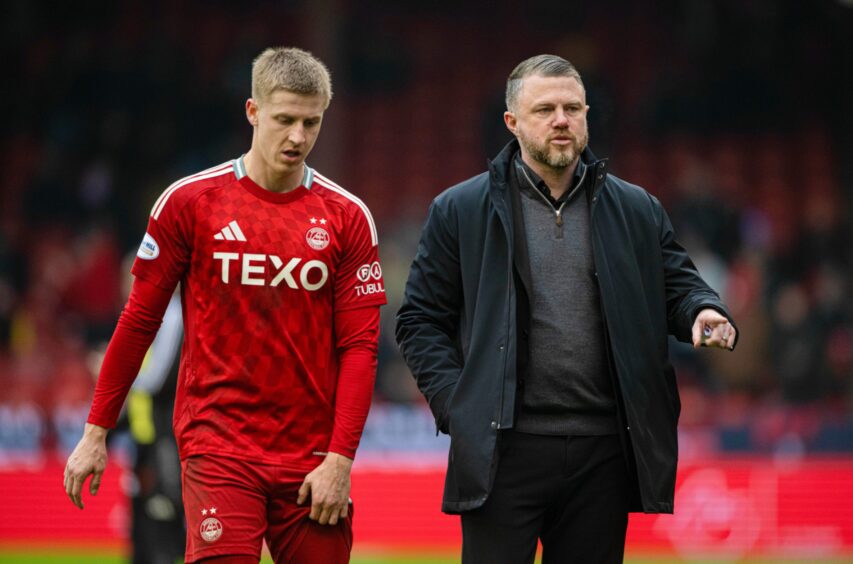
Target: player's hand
column 712, row 329
column 328, row 487
column 89, row 458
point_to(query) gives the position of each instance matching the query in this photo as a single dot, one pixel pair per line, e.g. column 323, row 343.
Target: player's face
column 286, row 127
column 550, row 120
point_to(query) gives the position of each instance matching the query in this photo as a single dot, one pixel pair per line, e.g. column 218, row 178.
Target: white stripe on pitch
column 218, row 170
column 326, row 183
column 237, row 231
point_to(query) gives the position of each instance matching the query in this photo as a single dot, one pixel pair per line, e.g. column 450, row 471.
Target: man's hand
column 328, row 485
column 711, row 329
column 89, row 457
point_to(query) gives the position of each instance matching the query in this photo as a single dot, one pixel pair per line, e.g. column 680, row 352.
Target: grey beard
column 558, row 161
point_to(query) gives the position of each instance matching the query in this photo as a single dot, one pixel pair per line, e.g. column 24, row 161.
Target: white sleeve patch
column 148, row 250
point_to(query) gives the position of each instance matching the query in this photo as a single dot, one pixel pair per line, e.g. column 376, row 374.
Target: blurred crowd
column 726, row 111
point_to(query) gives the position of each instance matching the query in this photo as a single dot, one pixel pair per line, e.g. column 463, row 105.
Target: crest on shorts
column 211, row 528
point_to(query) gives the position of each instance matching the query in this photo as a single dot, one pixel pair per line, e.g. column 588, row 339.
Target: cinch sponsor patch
column 148, row 249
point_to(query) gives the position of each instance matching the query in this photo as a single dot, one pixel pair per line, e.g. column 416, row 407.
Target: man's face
column 286, row 126
column 549, row 120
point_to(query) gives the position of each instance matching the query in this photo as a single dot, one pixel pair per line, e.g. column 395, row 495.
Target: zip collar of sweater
column 536, row 182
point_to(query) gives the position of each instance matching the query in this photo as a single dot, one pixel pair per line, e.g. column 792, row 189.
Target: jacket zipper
column 497, row 424
column 620, row 407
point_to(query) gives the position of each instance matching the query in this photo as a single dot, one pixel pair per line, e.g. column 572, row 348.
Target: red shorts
column 232, row 505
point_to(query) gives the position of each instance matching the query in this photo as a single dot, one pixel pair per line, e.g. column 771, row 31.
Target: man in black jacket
column 535, row 321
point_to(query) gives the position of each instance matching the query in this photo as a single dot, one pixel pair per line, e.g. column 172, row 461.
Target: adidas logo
column 230, row 232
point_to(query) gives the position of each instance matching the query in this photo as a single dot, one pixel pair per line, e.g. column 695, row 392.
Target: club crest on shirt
column 317, row 238
column 211, row 528
column 148, row 249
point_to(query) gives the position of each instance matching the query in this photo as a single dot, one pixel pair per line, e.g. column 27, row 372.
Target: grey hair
column 540, row 65
column 292, row 69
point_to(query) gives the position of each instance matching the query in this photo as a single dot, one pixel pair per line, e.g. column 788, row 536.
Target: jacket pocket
column 440, row 406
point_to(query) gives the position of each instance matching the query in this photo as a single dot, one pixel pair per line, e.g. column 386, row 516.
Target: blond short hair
column 292, row 69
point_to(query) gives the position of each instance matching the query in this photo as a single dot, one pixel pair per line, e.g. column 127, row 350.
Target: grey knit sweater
column 567, row 389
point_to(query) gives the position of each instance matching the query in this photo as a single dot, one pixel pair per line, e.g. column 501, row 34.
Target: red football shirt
column 261, row 275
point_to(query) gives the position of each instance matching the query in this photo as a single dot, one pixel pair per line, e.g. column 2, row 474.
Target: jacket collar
column 499, row 166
